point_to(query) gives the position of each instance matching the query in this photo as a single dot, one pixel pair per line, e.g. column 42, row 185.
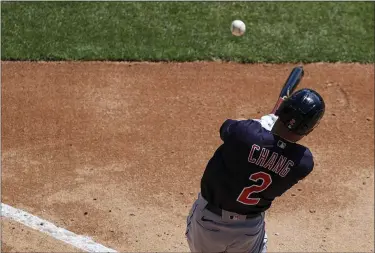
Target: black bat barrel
column 292, row 81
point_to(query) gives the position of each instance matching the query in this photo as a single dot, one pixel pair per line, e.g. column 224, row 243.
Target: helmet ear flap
column 280, row 129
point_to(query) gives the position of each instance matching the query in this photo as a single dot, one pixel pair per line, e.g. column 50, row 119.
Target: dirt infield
column 115, row 151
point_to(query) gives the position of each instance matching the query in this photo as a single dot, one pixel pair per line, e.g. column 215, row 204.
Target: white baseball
column 238, row 28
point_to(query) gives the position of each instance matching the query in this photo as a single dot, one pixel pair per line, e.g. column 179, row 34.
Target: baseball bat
column 290, row 85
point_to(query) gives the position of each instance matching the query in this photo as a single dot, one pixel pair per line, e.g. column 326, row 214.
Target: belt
column 218, row 211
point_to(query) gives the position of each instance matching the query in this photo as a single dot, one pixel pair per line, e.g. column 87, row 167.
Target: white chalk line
column 81, row 242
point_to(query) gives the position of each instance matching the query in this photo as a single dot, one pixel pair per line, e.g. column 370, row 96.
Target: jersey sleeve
column 238, row 129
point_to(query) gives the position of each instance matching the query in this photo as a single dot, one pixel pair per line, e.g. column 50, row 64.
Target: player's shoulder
column 255, row 126
column 255, row 132
column 240, row 129
column 251, row 125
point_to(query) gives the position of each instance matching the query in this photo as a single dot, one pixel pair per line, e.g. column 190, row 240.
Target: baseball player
column 258, row 161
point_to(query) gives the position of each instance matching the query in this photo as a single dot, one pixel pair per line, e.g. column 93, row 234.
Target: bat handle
column 277, row 105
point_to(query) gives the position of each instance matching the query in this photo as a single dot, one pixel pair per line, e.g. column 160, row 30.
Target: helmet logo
column 291, row 123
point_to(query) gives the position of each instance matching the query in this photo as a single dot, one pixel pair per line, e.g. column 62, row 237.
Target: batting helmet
column 299, row 114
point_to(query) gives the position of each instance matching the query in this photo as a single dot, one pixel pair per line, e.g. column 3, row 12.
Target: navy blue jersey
column 252, row 167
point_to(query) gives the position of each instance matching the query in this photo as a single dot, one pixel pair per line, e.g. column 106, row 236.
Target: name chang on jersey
column 274, row 162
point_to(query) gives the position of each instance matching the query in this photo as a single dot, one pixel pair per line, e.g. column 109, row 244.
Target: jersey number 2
column 244, row 197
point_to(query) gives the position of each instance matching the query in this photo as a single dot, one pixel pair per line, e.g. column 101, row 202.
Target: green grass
column 186, row 31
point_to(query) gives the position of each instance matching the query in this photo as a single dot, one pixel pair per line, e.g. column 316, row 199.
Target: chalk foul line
column 81, row 242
